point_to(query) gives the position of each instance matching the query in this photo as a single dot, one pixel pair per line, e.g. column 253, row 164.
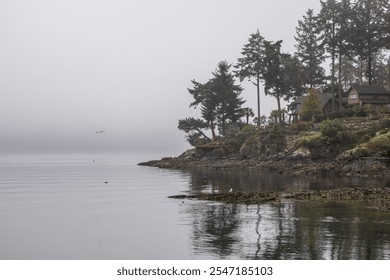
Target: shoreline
column 298, row 165
column 350, row 167
column 379, row 198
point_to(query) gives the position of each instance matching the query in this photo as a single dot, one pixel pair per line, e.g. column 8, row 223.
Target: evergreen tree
column 194, row 129
column 347, row 73
column 380, row 71
column 327, row 23
column 343, row 39
column 309, row 50
column 208, row 101
column 228, row 95
column 370, row 31
column 282, row 75
column 273, row 73
column 292, row 76
column 219, row 101
column 250, row 66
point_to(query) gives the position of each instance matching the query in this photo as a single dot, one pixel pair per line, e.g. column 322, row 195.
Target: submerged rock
column 378, row 197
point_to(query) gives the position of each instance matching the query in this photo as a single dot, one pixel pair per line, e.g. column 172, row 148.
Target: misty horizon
column 70, row 68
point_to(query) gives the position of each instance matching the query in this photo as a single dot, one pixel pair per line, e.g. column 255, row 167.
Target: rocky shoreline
column 292, row 164
column 378, row 198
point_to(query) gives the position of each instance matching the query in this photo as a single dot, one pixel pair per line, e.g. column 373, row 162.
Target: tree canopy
column 251, row 64
column 220, row 104
column 356, row 33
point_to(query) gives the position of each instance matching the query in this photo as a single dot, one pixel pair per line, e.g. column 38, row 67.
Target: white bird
column 231, row 189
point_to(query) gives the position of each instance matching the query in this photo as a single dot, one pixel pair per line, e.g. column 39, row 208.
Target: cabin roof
column 372, row 90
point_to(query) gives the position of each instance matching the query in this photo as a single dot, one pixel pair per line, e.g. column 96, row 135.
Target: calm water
column 104, row 206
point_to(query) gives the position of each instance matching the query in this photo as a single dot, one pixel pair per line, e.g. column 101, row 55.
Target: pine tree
column 273, row 73
column 228, row 95
column 370, row 31
column 208, row 102
column 282, row 75
column 327, row 23
column 309, row 52
column 219, row 101
column 250, row 66
column 292, row 76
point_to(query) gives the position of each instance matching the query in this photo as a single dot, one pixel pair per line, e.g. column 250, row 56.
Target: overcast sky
column 69, row 68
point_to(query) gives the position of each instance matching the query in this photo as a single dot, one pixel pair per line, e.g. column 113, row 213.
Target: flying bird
column 231, row 190
column 100, row 131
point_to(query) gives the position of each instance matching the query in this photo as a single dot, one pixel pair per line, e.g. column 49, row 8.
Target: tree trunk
column 212, row 128
column 388, row 73
column 369, row 66
column 279, row 108
column 340, row 83
column 258, row 100
column 333, row 68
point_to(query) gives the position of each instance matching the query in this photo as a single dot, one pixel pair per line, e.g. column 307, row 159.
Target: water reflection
column 211, row 180
column 287, row 229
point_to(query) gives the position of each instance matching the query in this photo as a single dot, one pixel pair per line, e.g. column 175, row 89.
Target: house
column 361, row 95
column 325, row 103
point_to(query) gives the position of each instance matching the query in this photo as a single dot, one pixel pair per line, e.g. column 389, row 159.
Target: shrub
column 248, row 129
column 236, row 142
column 277, row 135
column 386, row 123
column 334, row 132
column 380, row 144
column 300, row 126
column 315, row 144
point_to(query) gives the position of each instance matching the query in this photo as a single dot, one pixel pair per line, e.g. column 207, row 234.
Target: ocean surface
column 103, row 206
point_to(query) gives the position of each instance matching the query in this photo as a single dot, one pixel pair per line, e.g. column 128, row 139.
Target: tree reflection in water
column 282, row 230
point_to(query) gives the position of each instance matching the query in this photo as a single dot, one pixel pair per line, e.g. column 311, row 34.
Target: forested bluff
column 355, row 145
column 351, row 39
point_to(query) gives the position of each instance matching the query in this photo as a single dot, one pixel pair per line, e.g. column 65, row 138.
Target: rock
column 379, row 197
column 301, row 153
column 188, row 154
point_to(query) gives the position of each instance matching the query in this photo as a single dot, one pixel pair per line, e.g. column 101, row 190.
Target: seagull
column 231, row 190
column 100, row 131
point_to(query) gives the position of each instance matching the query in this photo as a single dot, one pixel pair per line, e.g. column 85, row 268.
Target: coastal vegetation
column 336, row 123
column 324, row 128
column 355, row 33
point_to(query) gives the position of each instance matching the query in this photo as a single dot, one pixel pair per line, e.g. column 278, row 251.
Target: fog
column 69, row 68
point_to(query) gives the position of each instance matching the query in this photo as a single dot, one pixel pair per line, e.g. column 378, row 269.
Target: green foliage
column 194, row 129
column 370, row 30
column 346, row 113
column 309, row 51
column 246, row 132
column 332, row 139
column 315, row 144
column 277, row 136
column 311, row 105
column 334, row 132
column 292, row 76
column 248, row 129
column 219, row 101
column 380, row 145
column 250, row 65
column 300, row 126
column 228, row 94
